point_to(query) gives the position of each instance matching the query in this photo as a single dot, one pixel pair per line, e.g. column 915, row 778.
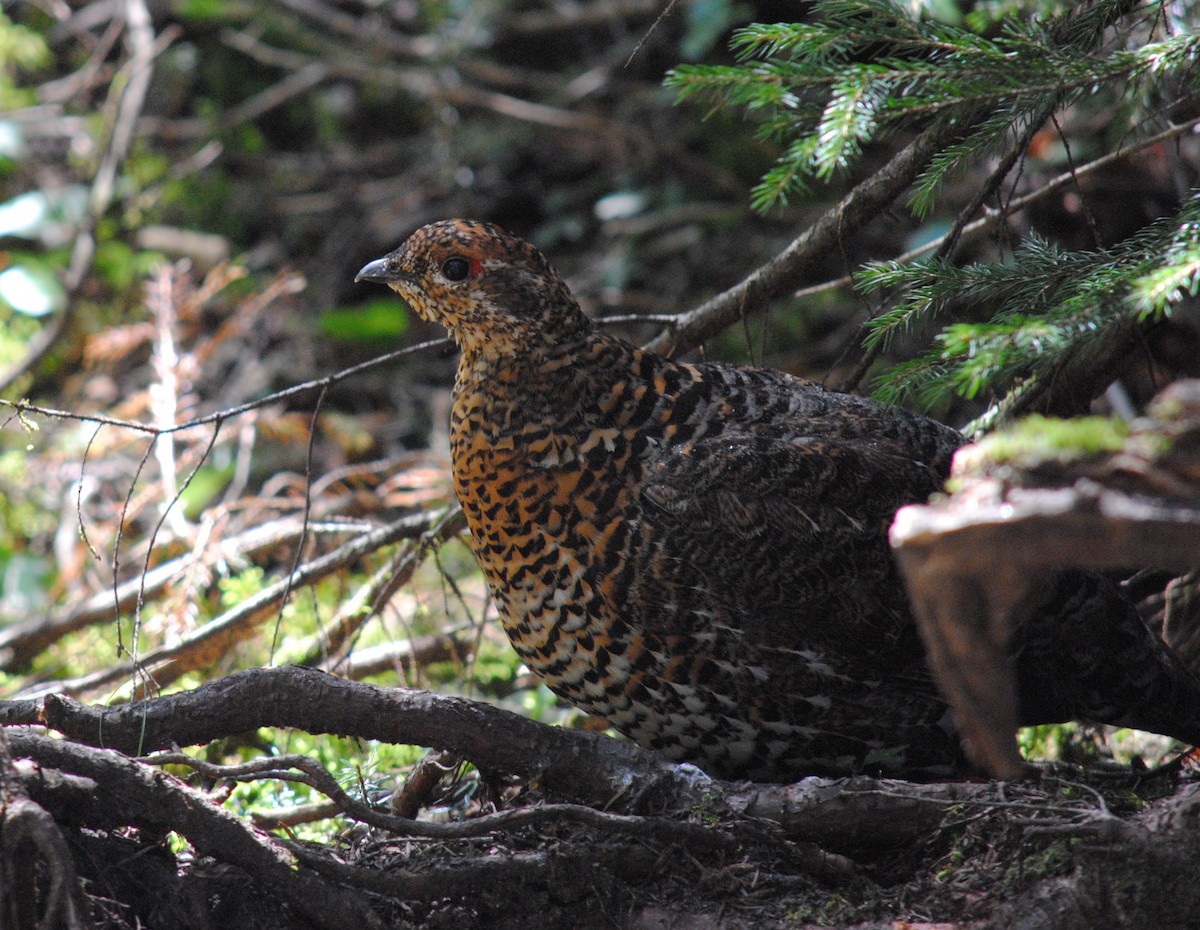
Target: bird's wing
column 744, row 485
column 791, row 532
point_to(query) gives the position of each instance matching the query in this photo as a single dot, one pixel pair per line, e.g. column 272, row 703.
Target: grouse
column 697, row 552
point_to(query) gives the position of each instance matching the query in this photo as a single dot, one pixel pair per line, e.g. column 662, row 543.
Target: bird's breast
column 550, row 517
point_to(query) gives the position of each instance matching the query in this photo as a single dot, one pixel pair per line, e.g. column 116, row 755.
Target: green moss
column 1038, row 439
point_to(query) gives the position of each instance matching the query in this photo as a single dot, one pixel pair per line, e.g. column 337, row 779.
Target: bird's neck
column 569, row 388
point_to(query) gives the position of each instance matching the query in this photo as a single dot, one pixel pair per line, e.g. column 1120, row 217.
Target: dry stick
column 304, row 519
column 21, row 642
column 380, row 36
column 79, row 486
column 293, row 85
column 555, row 20
column 422, row 780
column 379, row 588
column 203, row 645
column 1088, row 214
column 280, row 818
column 140, row 603
column 423, row 83
column 783, row 272
column 160, row 300
column 116, row 559
column 416, row 80
column 79, row 84
column 22, row 407
column 401, row 658
column 649, row 32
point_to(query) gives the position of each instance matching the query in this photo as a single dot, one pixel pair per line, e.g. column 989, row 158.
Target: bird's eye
column 456, row 268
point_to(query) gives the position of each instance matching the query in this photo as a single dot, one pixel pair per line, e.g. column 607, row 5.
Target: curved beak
column 376, row 271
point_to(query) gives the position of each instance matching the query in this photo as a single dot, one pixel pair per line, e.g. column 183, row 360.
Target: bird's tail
column 1172, row 606
column 1086, row 654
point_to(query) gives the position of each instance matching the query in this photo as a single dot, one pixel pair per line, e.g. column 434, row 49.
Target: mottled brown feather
column 696, row 553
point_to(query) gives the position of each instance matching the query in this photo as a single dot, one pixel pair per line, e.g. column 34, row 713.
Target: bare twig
column 537, row 23
column 401, row 657
column 649, row 32
column 293, row 85
column 379, row 588
column 19, row 643
column 305, row 770
column 296, row 390
column 208, row 643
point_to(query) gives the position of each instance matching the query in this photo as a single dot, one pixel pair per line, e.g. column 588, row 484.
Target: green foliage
column 1078, row 743
column 367, row 772
column 377, row 321
column 865, row 68
column 22, row 50
column 1036, row 311
column 1174, row 272
column 240, row 587
column 856, row 71
column 207, row 483
column 205, row 10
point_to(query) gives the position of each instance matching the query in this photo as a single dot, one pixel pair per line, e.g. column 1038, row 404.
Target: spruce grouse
column 697, row 552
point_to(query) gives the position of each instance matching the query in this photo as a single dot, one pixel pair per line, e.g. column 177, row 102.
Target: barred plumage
column 697, row 553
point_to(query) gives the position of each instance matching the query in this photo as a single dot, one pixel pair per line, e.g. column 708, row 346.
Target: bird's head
column 495, row 293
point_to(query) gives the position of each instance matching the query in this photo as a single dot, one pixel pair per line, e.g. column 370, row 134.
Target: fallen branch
column 592, row 766
column 129, row 792
column 38, row 883
column 578, row 766
column 21, row 642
